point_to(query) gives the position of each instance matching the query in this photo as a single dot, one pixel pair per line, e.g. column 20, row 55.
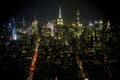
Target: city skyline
column 48, row 40
column 46, row 9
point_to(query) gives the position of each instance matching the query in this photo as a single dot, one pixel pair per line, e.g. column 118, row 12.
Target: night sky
column 48, row 9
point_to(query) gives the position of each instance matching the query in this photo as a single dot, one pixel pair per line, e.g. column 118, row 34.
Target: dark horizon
column 46, row 9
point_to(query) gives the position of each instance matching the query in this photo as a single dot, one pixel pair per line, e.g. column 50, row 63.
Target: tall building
column 79, row 25
column 78, row 17
column 34, row 25
column 60, row 19
column 108, row 30
column 23, row 23
column 12, row 30
column 100, row 24
column 59, row 32
column 108, row 25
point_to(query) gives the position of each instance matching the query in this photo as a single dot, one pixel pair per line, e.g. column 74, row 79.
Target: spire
column 78, row 17
column 60, row 20
column 60, row 12
column 34, row 17
column 78, row 13
column 23, row 23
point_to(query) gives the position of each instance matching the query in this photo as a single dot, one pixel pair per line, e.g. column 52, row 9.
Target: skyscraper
column 78, row 18
column 79, row 25
column 60, row 19
column 34, row 25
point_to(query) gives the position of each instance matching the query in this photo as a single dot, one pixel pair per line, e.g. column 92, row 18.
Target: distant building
column 60, row 19
column 79, row 25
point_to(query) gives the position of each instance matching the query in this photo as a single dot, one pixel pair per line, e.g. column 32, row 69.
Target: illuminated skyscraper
column 78, row 17
column 60, row 20
column 108, row 25
column 12, row 30
column 34, row 25
column 100, row 24
column 79, row 25
column 108, row 30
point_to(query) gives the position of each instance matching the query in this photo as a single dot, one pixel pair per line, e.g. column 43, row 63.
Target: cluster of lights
column 50, row 25
column 60, row 22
